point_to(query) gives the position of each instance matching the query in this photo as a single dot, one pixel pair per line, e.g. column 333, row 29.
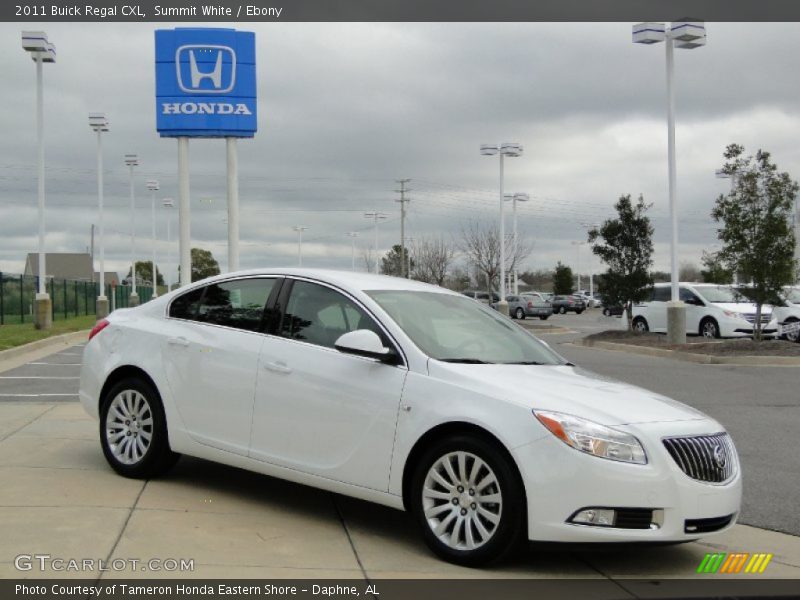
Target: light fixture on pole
column 99, row 124
column 353, row 235
column 169, row 204
column 578, row 269
column 42, row 51
column 376, row 216
column 686, row 35
column 514, row 198
column 153, row 186
column 512, row 150
column 132, row 160
column 299, row 229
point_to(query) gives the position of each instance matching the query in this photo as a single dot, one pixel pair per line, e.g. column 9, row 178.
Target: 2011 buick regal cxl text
column 408, row 395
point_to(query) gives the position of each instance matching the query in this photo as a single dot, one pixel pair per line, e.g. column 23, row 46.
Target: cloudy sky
column 345, row 109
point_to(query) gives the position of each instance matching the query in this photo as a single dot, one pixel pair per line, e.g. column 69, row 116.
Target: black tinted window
column 662, row 293
column 238, row 304
column 319, row 315
column 185, row 306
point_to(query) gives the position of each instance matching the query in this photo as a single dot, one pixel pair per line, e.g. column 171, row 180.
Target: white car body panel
column 348, row 424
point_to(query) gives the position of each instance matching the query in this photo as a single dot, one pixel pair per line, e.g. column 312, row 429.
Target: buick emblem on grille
column 719, row 456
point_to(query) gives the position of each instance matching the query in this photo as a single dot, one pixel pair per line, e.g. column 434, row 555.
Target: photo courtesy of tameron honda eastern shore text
column 407, row 395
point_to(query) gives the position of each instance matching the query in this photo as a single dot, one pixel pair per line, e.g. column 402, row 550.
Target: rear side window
column 239, row 304
column 185, row 306
column 662, row 293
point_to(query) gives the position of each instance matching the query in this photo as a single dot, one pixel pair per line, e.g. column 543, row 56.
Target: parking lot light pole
column 299, row 229
column 42, row 51
column 513, row 150
column 376, row 216
column 686, row 35
column 168, row 204
column 589, row 227
column 578, row 268
column 131, row 160
column 514, row 198
column 353, row 235
column 153, row 186
column 99, row 124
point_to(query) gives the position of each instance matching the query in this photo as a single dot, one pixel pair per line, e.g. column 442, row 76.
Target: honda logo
column 206, row 74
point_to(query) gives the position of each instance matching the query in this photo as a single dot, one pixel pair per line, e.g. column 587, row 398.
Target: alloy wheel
column 462, row 500
column 129, row 427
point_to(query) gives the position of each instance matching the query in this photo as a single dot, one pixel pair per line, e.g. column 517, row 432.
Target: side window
column 662, row 293
column 185, row 305
column 319, row 315
column 238, row 304
column 689, row 297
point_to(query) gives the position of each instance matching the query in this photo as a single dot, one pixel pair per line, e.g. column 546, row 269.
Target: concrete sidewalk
column 59, row 497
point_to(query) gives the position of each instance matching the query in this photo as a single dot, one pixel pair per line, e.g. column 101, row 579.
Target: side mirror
column 363, row 342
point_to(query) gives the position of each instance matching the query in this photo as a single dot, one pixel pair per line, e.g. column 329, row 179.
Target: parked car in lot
column 712, row 311
column 529, row 304
column 565, row 304
column 786, row 313
column 613, row 310
column 482, row 297
column 408, row 395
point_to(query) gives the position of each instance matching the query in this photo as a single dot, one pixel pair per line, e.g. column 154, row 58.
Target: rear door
column 318, row 410
column 211, row 358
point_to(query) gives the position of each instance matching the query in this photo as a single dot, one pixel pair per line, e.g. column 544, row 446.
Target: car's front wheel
column 520, row 314
column 469, row 501
column 709, row 328
column 544, row 317
column 563, row 310
column 640, row 325
column 133, row 430
column 606, row 312
column 794, row 335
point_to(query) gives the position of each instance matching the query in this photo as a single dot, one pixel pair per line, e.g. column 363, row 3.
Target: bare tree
column 480, row 243
column 369, row 258
column 431, row 259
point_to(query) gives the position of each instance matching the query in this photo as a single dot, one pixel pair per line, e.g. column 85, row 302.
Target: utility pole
column 402, row 191
column 375, row 216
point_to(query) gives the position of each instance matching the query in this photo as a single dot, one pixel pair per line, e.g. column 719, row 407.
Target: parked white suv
column 788, row 315
column 712, row 311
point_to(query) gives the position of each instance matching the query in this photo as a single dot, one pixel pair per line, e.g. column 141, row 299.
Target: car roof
column 352, row 280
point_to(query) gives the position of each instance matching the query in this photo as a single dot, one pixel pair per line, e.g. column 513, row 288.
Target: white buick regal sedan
column 408, row 395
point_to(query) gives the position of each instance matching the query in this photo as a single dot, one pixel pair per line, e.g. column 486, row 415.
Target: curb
column 66, row 339
column 707, row 359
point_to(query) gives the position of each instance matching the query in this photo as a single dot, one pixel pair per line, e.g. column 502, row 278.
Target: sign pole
column 184, row 211
column 233, row 204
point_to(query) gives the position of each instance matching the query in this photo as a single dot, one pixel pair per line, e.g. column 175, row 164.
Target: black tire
column 510, row 531
column 520, row 314
column 563, row 310
column 606, row 312
column 709, row 328
column 157, row 458
column 794, row 336
column 640, row 325
column 544, row 317
column 577, row 312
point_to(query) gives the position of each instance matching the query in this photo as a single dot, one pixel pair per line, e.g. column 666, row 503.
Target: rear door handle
column 278, row 367
column 178, row 341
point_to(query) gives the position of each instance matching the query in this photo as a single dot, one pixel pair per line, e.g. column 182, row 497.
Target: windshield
column 456, row 329
column 792, row 295
column 721, row 293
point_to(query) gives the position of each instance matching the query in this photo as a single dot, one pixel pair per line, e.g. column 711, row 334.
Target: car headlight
column 733, row 314
column 593, row 438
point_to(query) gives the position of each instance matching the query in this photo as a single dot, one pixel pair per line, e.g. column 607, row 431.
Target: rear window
column 185, row 305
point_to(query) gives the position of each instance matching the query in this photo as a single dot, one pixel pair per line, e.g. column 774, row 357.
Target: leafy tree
column 627, row 250
column 689, row 272
column 144, row 273
column 715, row 271
column 562, row 280
column 540, row 280
column 755, row 225
column 392, row 263
column 203, row 264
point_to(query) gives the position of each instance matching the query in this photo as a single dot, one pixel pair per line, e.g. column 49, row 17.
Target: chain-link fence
column 70, row 298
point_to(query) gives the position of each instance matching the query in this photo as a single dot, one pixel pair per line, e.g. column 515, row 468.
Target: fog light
column 595, row 516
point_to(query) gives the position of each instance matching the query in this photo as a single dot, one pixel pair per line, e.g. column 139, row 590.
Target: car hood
column 567, row 389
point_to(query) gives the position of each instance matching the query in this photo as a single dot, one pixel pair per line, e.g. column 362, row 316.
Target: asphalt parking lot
column 58, row 496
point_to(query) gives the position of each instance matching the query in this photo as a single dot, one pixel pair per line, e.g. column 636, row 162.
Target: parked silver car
column 531, row 304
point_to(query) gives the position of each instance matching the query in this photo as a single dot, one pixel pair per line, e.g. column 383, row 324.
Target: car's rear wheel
column 794, row 335
column 133, row 430
column 519, row 313
column 640, row 325
column 469, row 501
column 606, row 312
column 563, row 310
column 544, row 317
column 578, row 311
column 709, row 328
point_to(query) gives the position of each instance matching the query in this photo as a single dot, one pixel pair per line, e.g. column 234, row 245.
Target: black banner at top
column 397, row 10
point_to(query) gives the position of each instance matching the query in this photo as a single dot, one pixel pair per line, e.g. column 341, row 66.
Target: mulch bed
column 699, row 345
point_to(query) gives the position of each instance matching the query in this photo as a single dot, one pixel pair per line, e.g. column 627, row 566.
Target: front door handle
column 278, row 367
column 178, row 341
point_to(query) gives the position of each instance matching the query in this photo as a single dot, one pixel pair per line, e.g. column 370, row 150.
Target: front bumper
column 561, row 481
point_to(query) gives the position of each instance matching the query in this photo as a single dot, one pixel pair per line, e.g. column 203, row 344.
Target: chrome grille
column 751, row 317
column 709, row 458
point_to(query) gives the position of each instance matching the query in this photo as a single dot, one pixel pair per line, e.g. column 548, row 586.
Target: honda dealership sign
column 205, row 83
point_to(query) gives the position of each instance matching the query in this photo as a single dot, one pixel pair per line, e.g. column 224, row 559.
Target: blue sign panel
column 205, row 83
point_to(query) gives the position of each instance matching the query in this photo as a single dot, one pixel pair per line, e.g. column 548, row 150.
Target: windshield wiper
column 525, row 362
column 468, row 361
